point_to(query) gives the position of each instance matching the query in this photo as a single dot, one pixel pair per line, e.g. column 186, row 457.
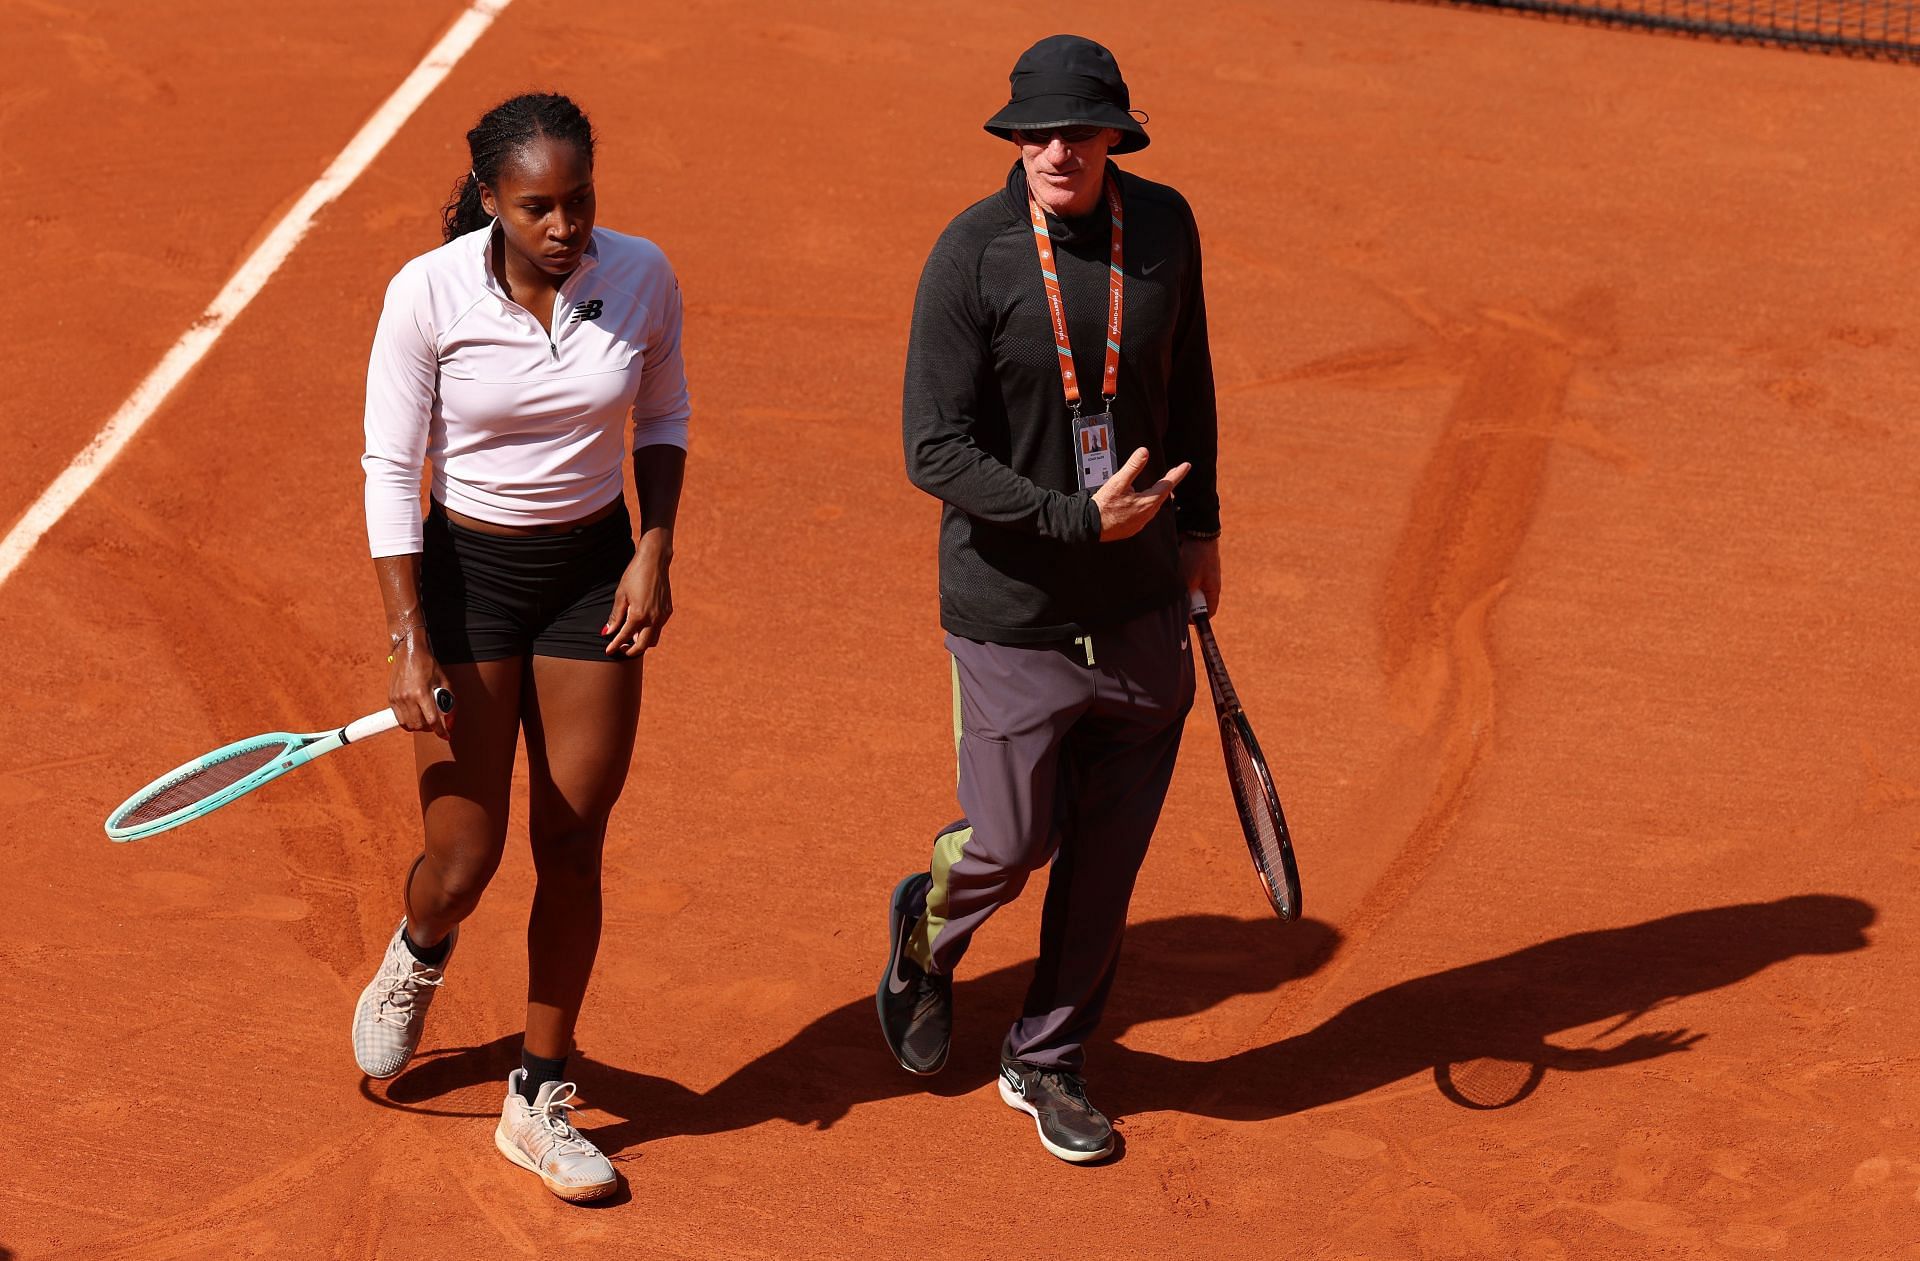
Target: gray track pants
column 1065, row 753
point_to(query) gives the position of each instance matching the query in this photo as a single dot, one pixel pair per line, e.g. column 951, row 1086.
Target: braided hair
column 497, row 137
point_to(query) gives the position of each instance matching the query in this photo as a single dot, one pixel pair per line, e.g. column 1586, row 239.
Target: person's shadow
column 1494, row 1021
column 1169, row 968
column 1504, row 1009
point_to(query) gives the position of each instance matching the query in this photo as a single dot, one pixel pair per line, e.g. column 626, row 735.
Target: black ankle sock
column 432, row 956
column 540, row 1071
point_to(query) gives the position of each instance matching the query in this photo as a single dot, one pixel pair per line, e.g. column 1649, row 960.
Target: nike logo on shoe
column 895, row 985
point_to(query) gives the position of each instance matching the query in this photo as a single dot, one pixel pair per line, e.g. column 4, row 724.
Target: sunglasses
column 1045, row 136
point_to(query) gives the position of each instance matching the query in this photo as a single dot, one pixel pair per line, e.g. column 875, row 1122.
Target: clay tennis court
column 1568, row 476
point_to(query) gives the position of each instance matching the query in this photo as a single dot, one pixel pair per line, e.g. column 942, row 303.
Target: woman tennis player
column 510, row 357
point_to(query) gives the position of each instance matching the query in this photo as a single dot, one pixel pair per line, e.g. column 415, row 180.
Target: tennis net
column 1870, row 28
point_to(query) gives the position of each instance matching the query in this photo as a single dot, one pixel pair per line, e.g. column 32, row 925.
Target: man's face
column 1066, row 166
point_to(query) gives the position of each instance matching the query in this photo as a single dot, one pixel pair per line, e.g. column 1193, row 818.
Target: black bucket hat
column 1068, row 81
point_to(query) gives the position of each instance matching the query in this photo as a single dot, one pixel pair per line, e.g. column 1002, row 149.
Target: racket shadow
column 1497, row 1018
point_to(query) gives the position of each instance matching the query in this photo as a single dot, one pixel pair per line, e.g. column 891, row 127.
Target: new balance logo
column 588, row 310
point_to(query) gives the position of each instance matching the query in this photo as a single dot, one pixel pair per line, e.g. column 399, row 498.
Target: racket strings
column 1246, row 777
column 198, row 784
column 1253, row 794
column 1261, row 822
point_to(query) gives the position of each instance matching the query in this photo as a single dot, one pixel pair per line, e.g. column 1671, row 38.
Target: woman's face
column 543, row 199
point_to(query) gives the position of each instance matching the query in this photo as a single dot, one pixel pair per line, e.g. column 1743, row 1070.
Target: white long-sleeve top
column 521, row 428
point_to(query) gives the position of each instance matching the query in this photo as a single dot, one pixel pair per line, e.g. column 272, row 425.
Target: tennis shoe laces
column 1070, row 1127
column 540, row 1138
column 392, row 1011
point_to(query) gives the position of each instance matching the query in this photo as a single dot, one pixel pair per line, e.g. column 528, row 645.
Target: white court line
column 245, row 283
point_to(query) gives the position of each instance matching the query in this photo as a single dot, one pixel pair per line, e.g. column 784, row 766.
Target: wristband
column 1203, row 536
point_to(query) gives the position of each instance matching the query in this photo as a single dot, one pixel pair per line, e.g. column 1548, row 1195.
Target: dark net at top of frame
column 1864, row 28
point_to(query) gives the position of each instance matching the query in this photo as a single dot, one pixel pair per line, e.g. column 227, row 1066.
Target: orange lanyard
column 1056, row 307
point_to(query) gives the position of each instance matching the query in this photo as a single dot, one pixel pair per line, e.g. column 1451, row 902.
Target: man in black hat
column 1059, row 322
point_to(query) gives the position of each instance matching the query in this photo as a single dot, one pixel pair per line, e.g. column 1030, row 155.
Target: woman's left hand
column 642, row 604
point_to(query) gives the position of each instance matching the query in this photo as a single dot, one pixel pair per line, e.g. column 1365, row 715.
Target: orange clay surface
column 1567, row 386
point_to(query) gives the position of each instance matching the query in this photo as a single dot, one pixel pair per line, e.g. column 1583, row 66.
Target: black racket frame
column 1281, row 887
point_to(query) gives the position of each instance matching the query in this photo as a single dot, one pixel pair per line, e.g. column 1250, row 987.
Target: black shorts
column 546, row 595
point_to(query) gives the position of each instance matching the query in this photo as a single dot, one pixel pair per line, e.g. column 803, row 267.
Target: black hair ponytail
column 499, row 135
column 463, row 212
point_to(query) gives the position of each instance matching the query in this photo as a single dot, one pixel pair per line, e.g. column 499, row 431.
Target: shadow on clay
column 1172, row 968
column 1506, row 1009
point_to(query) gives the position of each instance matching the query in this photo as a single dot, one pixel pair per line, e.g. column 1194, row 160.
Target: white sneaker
column 392, row 1012
column 537, row 1137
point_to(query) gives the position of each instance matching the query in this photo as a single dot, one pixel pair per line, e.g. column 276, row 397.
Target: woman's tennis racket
column 207, row 783
column 1253, row 794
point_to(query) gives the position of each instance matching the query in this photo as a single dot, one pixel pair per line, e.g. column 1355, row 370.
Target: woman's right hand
column 411, row 683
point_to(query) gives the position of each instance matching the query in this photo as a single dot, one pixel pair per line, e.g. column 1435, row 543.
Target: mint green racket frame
column 283, row 752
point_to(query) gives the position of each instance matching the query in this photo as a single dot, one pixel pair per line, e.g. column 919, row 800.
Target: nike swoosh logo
column 1148, row 270
column 894, row 984
column 1012, row 1079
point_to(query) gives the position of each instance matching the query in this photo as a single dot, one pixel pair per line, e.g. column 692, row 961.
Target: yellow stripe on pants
column 946, row 852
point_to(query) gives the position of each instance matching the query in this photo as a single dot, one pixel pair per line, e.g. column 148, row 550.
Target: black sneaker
column 916, row 1006
column 1070, row 1127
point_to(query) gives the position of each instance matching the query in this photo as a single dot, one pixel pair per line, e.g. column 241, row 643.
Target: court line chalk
column 245, row 284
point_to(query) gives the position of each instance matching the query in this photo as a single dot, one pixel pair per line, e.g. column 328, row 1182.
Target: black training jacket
column 987, row 429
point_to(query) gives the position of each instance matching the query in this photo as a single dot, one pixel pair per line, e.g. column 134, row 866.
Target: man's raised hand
column 1124, row 511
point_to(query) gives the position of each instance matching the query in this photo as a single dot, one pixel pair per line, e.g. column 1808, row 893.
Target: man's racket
column 207, row 783
column 1253, row 794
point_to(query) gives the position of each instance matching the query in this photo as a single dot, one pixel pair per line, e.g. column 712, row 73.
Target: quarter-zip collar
column 558, row 320
column 589, row 259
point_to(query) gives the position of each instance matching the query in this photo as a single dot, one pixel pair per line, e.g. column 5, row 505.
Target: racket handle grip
column 372, row 725
column 386, row 720
column 1197, row 604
